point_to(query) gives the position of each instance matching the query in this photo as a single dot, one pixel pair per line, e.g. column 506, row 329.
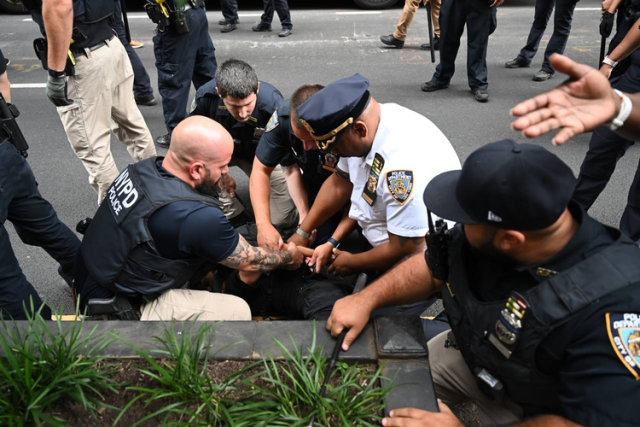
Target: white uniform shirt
column 413, row 150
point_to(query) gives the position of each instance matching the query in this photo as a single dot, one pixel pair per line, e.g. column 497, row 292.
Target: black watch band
column 333, row 242
column 57, row 74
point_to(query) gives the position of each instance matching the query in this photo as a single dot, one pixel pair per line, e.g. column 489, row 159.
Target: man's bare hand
column 342, row 265
column 322, row 256
column 350, row 312
column 268, row 237
column 412, row 417
column 228, row 184
column 581, row 104
column 296, row 257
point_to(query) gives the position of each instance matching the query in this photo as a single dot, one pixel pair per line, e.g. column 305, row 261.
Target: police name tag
column 369, row 194
column 122, row 196
column 507, row 328
column 624, row 334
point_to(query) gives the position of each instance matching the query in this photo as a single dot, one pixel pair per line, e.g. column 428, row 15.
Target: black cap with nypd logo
column 505, row 185
column 329, row 113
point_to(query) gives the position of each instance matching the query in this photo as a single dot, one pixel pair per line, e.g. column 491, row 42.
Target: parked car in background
column 11, row 6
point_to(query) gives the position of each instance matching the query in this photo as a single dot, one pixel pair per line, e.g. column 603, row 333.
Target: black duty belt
column 82, row 51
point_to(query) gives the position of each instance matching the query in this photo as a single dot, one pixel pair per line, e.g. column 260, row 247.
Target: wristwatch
column 610, row 62
column 334, row 242
column 57, row 74
column 625, row 110
column 300, row 232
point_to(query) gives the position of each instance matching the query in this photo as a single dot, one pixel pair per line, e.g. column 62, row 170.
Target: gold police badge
column 400, row 185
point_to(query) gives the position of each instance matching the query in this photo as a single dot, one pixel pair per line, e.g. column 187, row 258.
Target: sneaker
column 433, row 85
column 149, row 102
column 164, row 141
column 227, row 28
column 541, row 76
column 136, row 44
column 392, row 41
column 517, row 63
column 261, row 27
column 481, row 95
column 427, row 46
column 286, row 32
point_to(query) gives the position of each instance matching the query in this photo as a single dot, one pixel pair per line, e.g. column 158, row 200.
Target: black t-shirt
column 598, row 387
column 279, row 145
column 180, row 230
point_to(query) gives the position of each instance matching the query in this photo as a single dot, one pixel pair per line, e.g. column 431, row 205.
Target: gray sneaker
column 542, row 76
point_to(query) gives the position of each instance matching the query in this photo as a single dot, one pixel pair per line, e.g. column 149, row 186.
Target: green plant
column 42, row 366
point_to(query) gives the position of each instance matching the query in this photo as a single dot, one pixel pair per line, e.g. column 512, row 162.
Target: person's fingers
column 444, row 408
column 528, row 106
column 281, row 242
column 351, row 336
column 563, row 136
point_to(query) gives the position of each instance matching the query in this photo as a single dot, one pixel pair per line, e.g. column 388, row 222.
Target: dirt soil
column 127, row 374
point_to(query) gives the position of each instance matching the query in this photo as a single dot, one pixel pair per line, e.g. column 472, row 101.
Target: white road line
column 248, row 15
column 582, row 9
column 27, row 20
column 362, row 12
column 28, row 85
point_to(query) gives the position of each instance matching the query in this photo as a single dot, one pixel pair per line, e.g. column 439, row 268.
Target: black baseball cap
column 331, row 111
column 505, row 185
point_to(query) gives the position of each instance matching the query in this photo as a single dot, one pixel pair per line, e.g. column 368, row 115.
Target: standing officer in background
column 184, row 53
column 558, row 41
column 162, row 228
column 243, row 106
column 480, row 19
column 282, row 7
column 543, row 301
column 230, row 13
column 91, row 83
column 287, row 143
column 33, row 218
column 388, row 155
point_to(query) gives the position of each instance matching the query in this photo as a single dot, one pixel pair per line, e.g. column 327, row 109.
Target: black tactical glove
column 606, row 24
column 57, row 91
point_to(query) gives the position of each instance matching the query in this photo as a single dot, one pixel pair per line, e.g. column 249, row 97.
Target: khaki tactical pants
column 455, row 384
column 283, row 211
column 102, row 90
column 185, row 304
column 409, row 12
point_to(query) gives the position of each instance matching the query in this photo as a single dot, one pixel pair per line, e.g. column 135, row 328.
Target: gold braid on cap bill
column 320, row 140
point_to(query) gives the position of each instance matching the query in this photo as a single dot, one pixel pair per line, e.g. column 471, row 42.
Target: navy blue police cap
column 504, row 185
column 330, row 112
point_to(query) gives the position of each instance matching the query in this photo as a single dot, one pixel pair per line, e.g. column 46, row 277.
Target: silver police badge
column 400, row 185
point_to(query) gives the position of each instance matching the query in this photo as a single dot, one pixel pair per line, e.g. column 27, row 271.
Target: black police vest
column 550, row 304
column 118, row 249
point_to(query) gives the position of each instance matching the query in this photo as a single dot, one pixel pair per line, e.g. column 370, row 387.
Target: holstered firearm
column 158, row 13
column 117, row 308
column 437, row 248
column 8, row 114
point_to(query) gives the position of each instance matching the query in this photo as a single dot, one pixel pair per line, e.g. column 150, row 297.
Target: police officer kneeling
column 543, row 301
column 161, row 228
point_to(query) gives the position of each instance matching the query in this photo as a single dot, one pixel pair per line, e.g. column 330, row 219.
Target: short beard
column 489, row 250
column 208, row 186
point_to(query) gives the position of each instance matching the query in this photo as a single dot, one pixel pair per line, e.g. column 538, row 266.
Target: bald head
column 199, row 147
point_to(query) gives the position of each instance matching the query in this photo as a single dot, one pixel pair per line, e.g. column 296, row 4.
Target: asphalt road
column 326, row 45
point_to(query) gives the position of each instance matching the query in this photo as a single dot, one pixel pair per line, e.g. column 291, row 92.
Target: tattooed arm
column 249, row 258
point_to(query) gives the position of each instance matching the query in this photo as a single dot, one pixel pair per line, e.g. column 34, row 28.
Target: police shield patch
column 624, row 334
column 273, row 122
column 400, row 185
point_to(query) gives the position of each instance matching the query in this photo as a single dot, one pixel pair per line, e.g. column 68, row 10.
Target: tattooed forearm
column 342, row 174
column 250, row 258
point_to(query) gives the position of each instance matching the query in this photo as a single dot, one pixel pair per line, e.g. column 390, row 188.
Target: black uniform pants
column 605, row 149
column 561, row 29
column 280, row 6
column 141, row 81
column 230, row 11
column 479, row 19
column 36, row 223
column 182, row 59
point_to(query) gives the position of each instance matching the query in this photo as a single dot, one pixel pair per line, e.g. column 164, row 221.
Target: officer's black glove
column 606, row 24
column 57, row 91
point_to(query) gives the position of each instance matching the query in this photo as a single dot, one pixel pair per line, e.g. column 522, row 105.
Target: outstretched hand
column 580, row 104
column 411, row 417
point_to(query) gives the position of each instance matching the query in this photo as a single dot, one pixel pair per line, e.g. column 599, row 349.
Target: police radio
column 437, row 249
column 8, row 114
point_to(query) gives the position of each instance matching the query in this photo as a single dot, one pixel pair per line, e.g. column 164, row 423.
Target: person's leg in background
column 205, row 66
column 541, row 16
column 406, row 17
column 230, row 13
column 435, row 19
column 142, row 90
column 266, row 18
column 479, row 22
column 562, row 19
column 452, row 23
column 282, row 7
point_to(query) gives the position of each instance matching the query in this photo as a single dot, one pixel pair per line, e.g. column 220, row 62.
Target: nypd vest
column 501, row 338
column 118, row 250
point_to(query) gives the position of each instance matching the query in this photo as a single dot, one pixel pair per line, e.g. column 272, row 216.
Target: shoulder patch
column 273, row 122
column 624, row 334
column 400, row 185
